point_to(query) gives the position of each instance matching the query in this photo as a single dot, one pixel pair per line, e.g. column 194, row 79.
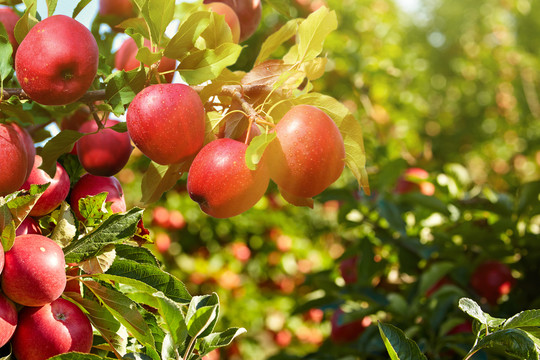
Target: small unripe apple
column 28, row 226
column 124, row 59
column 56, row 192
column 491, row 280
column 8, row 319
column 57, row 61
column 34, row 271
column 343, row 332
column 9, row 19
column 415, row 179
column 90, row 185
column 13, row 160
column 220, row 181
column 28, row 145
column 51, row 329
column 104, row 153
column 308, row 154
column 249, row 13
column 230, row 18
column 167, row 122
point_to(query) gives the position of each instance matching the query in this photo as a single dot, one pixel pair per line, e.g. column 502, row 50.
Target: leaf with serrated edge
column 523, row 319
column 471, row 308
column 76, row 356
column 115, row 229
column 108, row 326
column 124, row 310
column 141, row 255
column 514, row 341
column 274, row 41
column 217, row 340
column 201, row 320
column 311, row 35
column 158, row 14
column 21, row 205
column 62, row 143
column 197, row 302
column 399, row 346
column 101, row 263
column 217, row 32
column 188, row 32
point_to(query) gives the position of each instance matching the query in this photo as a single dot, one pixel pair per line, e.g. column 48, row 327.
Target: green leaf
column 281, row 6
column 399, row 346
column 66, row 227
column 471, row 308
column 217, row 32
column 103, row 320
column 515, row 342
column 203, row 65
column 141, row 255
column 80, row 6
column 523, row 319
column 255, row 150
column 433, row 274
column 122, row 87
column 158, row 14
column 94, row 210
column 77, row 356
column 27, row 21
column 274, row 41
column 169, row 349
column 6, row 50
column 188, row 32
column 124, row 310
column 172, row 316
column 14, row 110
column 200, row 318
column 137, row 275
column 159, row 178
column 311, row 35
column 148, row 57
column 62, row 143
column 51, row 6
column 217, row 340
column 21, row 205
column 114, row 230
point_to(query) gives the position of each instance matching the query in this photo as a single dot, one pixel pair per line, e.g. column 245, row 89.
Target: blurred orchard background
column 449, row 86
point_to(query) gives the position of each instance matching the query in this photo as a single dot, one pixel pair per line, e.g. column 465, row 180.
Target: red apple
column 28, row 226
column 491, row 280
column 8, row 319
column 160, row 217
column 241, row 251
column 249, row 13
column 415, row 179
column 314, row 315
column 75, row 120
column 283, row 338
column 346, row 332
column 121, row 8
column 29, row 146
column 348, row 270
column 308, row 154
column 220, row 181
column 124, row 59
column 57, row 61
column 73, row 285
column 230, row 18
column 176, row 220
column 464, row 327
column 104, row 153
column 51, row 329
column 34, row 271
column 9, row 19
column 162, row 242
column 167, row 122
column 90, row 185
column 55, row 193
column 13, row 160
column 442, row 281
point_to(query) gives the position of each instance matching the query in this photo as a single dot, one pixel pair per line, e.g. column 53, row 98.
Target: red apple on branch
column 119, row 8
column 34, row 271
column 56, row 192
column 343, row 332
column 415, row 180
column 8, row 319
column 28, row 226
column 220, row 181
column 491, row 280
column 104, row 153
column 13, row 160
column 167, row 122
column 57, row 61
column 9, row 19
column 249, row 13
column 52, row 329
column 90, row 185
column 29, row 146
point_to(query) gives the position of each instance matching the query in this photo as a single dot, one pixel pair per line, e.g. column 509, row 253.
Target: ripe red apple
column 314, row 315
column 220, row 181
column 13, row 160
column 75, row 120
column 56, row 192
column 308, row 154
column 167, row 122
column 28, row 226
column 249, row 13
column 346, row 332
column 90, row 185
column 28, row 145
column 283, row 338
column 9, row 19
column 230, row 18
column 162, row 242
column 348, row 270
column 8, row 319
column 241, row 251
column 415, row 179
column 124, row 59
column 57, row 61
column 51, row 329
column 119, row 8
column 104, row 153
column 34, row 271
column 492, row 279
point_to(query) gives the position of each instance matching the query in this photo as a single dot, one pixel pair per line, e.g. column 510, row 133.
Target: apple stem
column 99, row 122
